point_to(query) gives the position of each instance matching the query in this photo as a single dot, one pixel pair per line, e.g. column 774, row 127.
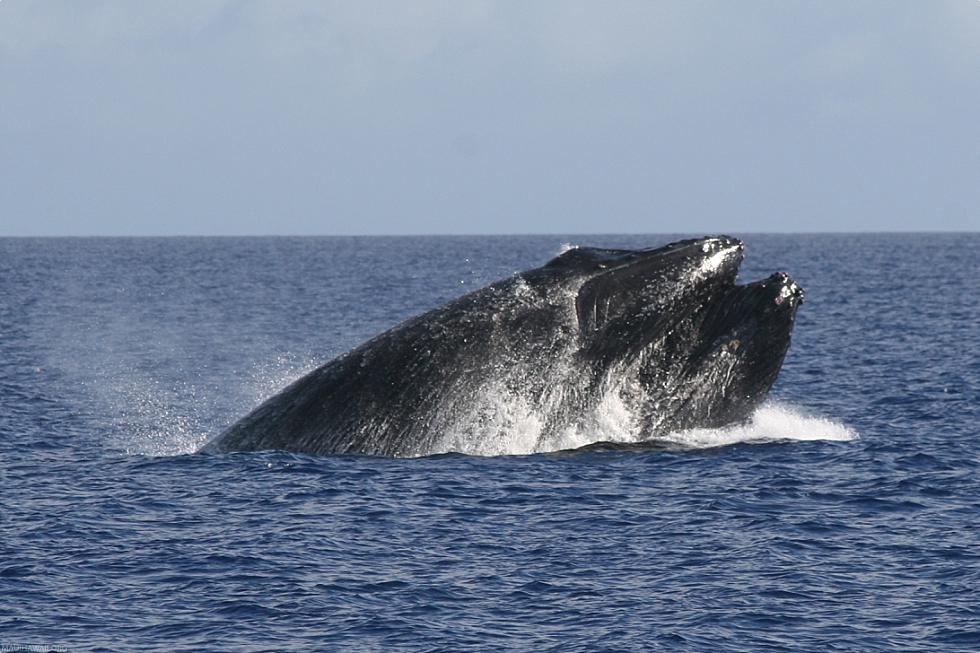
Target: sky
column 213, row 117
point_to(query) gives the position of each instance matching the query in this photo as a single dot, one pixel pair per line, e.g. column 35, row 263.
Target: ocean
column 844, row 517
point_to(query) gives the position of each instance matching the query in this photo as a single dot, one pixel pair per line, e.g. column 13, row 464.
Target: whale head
column 670, row 330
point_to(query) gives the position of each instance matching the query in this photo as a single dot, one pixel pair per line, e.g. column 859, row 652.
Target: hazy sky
column 456, row 116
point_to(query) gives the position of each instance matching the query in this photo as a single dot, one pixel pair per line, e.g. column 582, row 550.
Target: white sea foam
column 614, row 422
column 771, row 422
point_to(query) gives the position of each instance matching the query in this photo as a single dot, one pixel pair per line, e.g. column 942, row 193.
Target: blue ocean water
column 845, row 518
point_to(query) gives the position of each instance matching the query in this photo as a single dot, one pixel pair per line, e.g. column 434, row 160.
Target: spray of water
column 153, row 418
column 516, row 428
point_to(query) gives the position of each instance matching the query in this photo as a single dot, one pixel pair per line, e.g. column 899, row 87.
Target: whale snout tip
column 714, row 244
column 719, row 256
column 788, row 290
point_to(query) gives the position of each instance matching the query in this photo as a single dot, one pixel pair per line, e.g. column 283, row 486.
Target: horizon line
column 499, row 235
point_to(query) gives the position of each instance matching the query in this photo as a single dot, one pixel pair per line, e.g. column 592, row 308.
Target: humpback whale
column 663, row 334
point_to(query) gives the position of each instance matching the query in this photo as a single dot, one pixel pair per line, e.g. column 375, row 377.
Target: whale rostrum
column 597, row 344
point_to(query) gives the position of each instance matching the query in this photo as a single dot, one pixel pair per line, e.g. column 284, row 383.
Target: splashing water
column 154, row 426
column 771, row 422
column 150, row 418
column 153, row 419
column 614, row 422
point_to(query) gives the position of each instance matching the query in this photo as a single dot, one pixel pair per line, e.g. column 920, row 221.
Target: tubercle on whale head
column 789, row 291
column 778, row 291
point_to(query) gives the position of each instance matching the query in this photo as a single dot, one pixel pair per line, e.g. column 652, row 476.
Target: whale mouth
column 631, row 291
column 675, row 320
column 735, row 351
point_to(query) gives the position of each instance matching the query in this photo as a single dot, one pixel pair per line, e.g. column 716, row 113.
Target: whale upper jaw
column 685, row 276
column 626, row 292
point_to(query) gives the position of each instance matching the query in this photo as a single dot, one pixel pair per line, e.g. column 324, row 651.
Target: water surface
column 119, row 357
